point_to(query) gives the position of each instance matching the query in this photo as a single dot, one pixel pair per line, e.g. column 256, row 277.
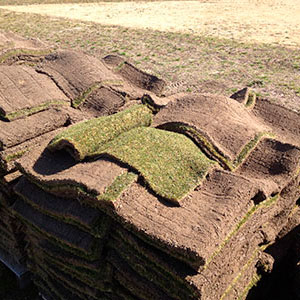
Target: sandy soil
column 268, row 21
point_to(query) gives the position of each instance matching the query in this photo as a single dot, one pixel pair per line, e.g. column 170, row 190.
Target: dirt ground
column 267, row 21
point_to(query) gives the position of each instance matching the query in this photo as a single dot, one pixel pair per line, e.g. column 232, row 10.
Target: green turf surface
column 89, row 138
column 169, row 162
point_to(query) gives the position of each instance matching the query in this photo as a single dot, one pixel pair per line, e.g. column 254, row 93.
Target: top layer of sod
column 222, row 127
column 24, row 92
column 89, row 138
column 171, row 163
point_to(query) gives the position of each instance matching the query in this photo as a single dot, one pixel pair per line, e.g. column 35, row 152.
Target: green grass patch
column 169, row 162
column 89, row 138
column 18, row 52
column 33, row 110
column 81, row 99
column 120, row 183
column 250, row 146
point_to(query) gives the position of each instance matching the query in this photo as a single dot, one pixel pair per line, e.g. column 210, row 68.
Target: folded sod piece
column 24, row 92
column 89, row 138
column 273, row 163
column 135, row 76
column 223, row 128
column 284, row 122
column 58, row 173
column 81, row 76
column 171, row 164
column 10, row 155
column 22, row 130
column 76, row 73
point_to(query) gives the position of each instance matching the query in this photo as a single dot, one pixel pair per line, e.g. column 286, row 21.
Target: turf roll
column 89, row 138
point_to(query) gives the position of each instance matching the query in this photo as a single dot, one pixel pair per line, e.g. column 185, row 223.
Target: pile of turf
column 153, row 248
column 93, row 85
column 170, row 163
column 34, row 107
column 194, row 205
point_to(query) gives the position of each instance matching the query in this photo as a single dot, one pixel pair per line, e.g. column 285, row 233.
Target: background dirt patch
column 268, row 21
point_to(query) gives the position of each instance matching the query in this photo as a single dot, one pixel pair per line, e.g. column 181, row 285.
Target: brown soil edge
column 19, row 131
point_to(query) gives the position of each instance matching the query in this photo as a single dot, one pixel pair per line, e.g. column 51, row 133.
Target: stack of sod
column 165, row 251
column 188, row 210
column 33, row 109
column 65, row 241
column 98, row 86
column 12, row 232
column 167, row 240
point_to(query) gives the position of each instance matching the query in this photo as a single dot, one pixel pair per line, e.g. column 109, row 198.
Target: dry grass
column 188, row 62
column 28, row 2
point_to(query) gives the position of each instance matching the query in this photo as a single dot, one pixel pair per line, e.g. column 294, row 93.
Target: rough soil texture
column 269, row 21
column 213, row 244
column 22, row 130
column 64, row 175
column 22, row 89
column 239, row 126
column 62, row 208
column 78, row 74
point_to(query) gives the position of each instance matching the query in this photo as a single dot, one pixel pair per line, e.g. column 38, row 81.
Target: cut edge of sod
column 23, row 51
column 33, row 110
column 212, row 150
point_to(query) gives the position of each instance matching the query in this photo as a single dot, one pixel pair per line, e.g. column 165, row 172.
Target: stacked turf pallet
column 180, row 197
column 192, row 207
column 39, row 96
column 12, row 242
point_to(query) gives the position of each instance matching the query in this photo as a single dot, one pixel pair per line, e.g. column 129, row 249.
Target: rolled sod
column 89, row 138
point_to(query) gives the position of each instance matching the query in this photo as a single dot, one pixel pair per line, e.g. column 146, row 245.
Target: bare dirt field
column 269, row 21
